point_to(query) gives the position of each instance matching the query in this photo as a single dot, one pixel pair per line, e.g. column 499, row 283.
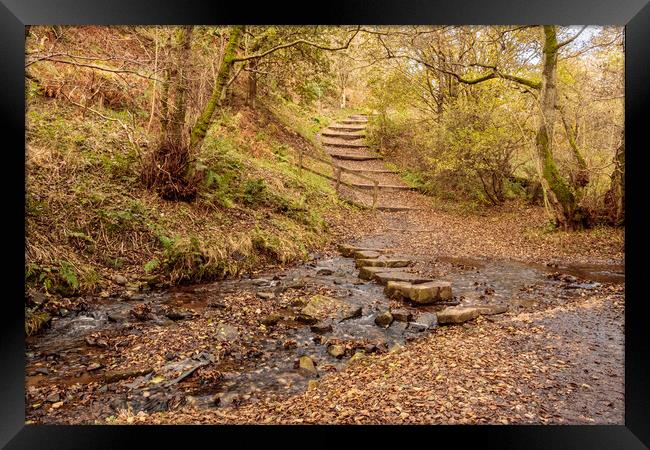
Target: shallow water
column 483, row 282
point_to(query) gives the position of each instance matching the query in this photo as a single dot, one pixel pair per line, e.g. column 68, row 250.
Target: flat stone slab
column 323, row 307
column 490, row 310
column 369, row 272
column 423, row 293
column 457, row 315
column 366, row 254
column 383, row 262
column 348, row 250
column 385, row 277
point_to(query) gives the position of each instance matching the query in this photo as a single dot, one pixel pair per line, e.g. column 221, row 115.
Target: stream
column 249, row 361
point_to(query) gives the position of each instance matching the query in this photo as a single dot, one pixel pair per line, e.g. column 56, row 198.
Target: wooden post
column 300, row 163
column 374, row 194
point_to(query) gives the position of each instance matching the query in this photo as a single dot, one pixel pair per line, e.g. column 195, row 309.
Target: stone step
column 352, row 157
column 386, row 187
column 368, row 272
column 423, row 293
column 341, row 135
column 365, row 254
column 385, row 277
column 348, row 144
column 383, row 262
column 347, row 127
column 456, row 315
column 354, row 121
column 348, row 250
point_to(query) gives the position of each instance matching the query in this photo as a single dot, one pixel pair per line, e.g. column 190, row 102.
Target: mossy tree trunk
column 559, row 192
column 200, row 129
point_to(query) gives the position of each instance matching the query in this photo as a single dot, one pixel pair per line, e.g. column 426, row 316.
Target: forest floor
column 556, row 356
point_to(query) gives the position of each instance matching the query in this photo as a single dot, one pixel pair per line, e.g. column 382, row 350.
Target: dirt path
column 555, row 355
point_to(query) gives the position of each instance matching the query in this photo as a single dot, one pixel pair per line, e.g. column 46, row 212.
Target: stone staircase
column 362, row 169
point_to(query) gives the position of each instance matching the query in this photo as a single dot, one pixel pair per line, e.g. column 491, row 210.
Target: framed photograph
column 373, row 213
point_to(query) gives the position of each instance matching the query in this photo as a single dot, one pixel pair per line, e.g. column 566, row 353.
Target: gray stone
column 386, row 276
column 348, row 250
column 323, row 307
column 321, row 327
column 120, row 279
column 324, row 271
column 428, row 319
column 366, row 254
column 457, row 315
column 336, row 350
column 384, row 319
column 353, row 313
column 490, row 310
column 306, row 319
column 306, row 364
column 417, row 327
column 368, row 273
column 401, row 315
column 271, row 320
column 423, row 293
column 266, row 295
column 383, row 262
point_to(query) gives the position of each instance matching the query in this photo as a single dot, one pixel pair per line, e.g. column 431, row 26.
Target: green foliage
column 254, row 192
column 151, row 265
column 35, row 320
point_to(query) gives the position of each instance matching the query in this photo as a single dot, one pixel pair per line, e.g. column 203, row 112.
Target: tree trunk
column 615, row 197
column 252, row 83
column 200, row 129
column 559, row 193
column 178, row 87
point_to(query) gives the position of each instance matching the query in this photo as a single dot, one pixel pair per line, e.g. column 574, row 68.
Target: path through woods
column 425, row 317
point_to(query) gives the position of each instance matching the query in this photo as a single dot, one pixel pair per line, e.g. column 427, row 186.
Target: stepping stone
column 457, row 315
column 365, row 254
column 368, row 272
column 353, row 121
column 424, row 293
column 385, row 277
column 490, row 310
column 348, row 250
column 383, row 262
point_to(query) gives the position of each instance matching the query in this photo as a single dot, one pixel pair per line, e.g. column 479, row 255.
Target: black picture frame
column 15, row 14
